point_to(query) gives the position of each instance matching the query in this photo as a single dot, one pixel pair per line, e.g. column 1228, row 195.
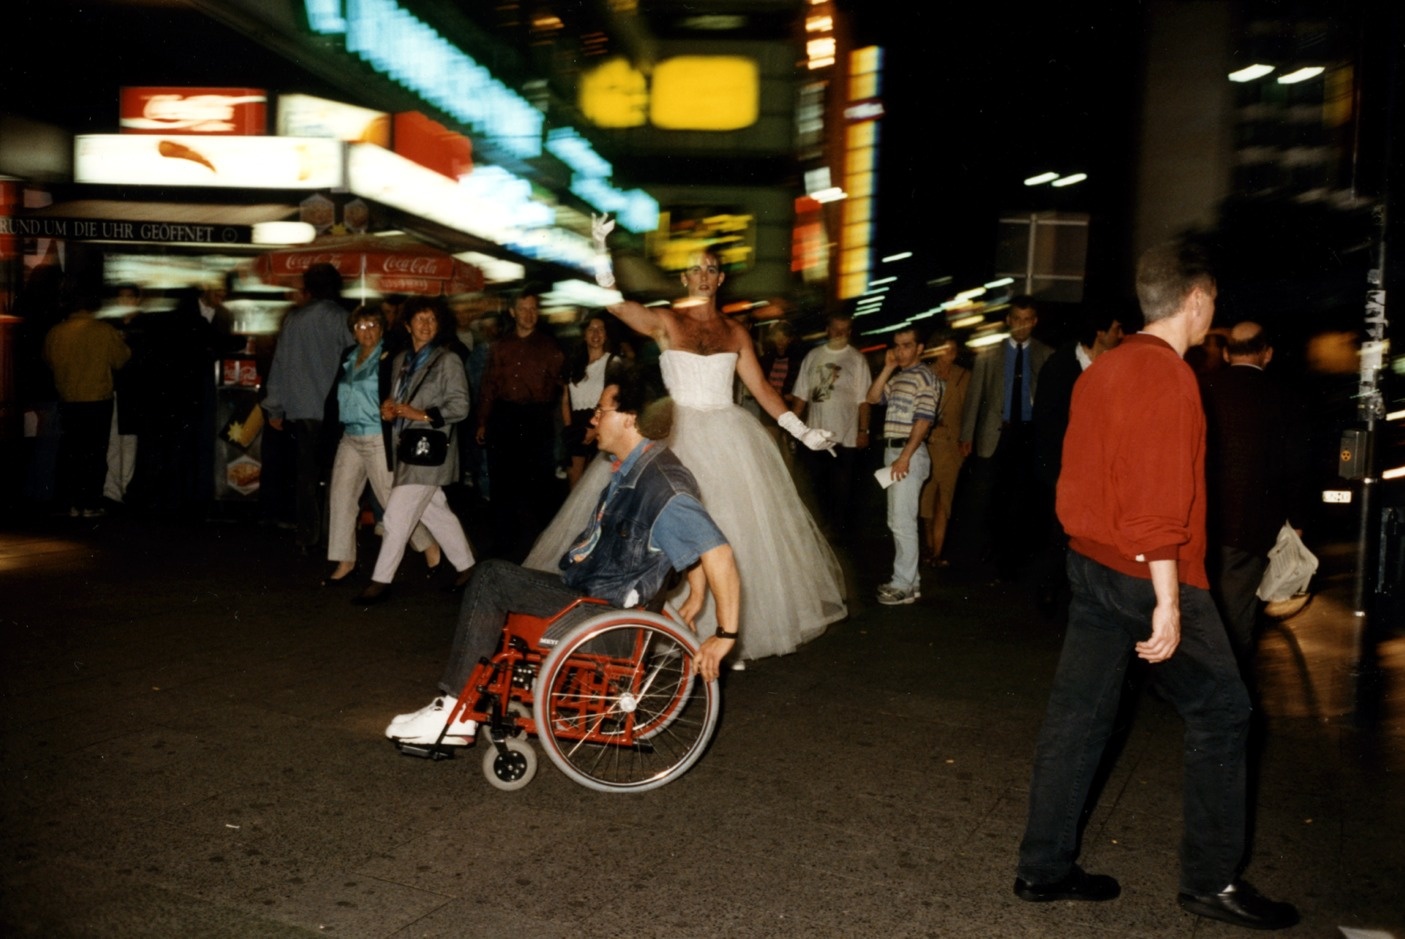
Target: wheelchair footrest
column 425, row 751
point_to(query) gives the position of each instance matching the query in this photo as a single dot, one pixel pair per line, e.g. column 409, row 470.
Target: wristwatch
column 723, row 634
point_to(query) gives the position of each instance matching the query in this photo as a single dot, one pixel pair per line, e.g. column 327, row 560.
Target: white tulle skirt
column 792, row 587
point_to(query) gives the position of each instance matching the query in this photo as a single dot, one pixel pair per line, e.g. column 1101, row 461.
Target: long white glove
column 812, row 437
column 600, row 228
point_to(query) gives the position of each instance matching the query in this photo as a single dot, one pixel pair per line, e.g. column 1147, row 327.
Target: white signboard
column 185, row 160
column 306, row 116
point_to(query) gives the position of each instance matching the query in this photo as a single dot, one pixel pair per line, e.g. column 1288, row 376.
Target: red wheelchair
column 613, row 697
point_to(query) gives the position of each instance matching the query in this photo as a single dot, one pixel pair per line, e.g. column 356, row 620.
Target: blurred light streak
column 1069, row 180
column 832, row 194
column 1002, row 282
column 905, row 324
column 973, row 319
column 971, row 294
column 881, row 280
column 1301, row 75
column 902, row 256
column 989, row 339
column 1041, row 179
column 1395, row 416
column 1250, row 73
column 1397, row 472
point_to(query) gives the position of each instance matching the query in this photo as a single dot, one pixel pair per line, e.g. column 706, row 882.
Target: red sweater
column 1133, row 479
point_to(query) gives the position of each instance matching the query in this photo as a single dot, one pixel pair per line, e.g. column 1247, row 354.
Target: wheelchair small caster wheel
column 510, row 770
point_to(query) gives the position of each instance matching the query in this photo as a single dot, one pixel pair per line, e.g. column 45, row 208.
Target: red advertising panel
column 432, row 145
column 9, row 203
column 231, row 111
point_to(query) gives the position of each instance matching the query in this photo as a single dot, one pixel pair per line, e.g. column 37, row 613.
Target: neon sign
column 401, row 46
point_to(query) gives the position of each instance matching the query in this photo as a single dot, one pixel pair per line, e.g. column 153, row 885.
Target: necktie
column 1017, row 387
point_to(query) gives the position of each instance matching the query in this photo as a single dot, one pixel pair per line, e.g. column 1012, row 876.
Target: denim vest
column 623, row 560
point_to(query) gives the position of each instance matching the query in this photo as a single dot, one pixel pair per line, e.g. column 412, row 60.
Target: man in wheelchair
column 649, row 522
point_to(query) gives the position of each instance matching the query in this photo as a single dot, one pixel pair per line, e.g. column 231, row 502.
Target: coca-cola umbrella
column 391, row 264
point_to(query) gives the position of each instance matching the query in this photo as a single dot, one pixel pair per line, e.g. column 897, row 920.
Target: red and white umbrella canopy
column 396, row 264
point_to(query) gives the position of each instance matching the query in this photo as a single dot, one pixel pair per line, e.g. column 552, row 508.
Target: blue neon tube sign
column 403, row 47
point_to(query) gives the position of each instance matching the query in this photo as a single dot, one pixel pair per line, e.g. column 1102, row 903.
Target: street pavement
column 192, row 746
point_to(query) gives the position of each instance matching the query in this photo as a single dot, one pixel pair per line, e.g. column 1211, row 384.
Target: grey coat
column 440, row 389
column 985, row 397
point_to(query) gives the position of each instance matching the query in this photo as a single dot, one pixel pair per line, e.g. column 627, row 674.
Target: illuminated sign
column 401, row 46
column 576, row 152
column 615, row 94
column 178, row 160
column 239, row 111
column 107, row 229
column 307, row 116
column 686, row 92
column 864, row 111
column 432, row 145
column 731, row 101
column 636, row 209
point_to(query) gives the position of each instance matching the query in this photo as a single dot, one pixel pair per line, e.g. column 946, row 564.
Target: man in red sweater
column 1132, row 498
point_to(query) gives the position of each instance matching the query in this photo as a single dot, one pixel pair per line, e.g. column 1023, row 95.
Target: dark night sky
column 979, row 98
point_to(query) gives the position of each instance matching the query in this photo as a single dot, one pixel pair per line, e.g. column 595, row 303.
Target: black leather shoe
column 1077, row 885
column 374, row 593
column 1241, row 905
column 461, row 580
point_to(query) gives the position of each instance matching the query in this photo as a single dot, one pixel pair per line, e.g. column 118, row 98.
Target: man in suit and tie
column 997, row 430
column 1255, row 474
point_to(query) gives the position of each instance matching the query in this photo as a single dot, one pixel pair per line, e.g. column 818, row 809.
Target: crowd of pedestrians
column 1021, row 454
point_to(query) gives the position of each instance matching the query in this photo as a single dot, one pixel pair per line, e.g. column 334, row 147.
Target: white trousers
column 359, row 460
column 409, row 504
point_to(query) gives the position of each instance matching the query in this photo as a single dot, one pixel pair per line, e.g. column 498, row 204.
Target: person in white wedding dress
column 792, row 587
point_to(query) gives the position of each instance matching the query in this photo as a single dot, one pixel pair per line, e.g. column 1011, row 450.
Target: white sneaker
column 423, row 726
column 893, row 596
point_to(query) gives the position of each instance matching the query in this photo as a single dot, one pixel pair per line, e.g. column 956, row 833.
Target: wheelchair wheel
column 511, row 770
column 619, row 704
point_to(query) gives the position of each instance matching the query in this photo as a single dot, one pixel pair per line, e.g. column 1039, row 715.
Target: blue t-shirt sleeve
column 685, row 532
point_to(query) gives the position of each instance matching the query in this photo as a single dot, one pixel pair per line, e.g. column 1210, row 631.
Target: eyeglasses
column 599, row 410
column 366, row 327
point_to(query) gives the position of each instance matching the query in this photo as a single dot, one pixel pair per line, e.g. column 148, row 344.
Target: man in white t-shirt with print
column 832, row 384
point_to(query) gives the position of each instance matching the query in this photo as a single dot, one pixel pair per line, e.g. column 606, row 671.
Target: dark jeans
column 1234, row 579
column 1017, row 511
column 1109, row 614
column 497, row 588
column 307, row 447
column 83, row 451
column 832, row 485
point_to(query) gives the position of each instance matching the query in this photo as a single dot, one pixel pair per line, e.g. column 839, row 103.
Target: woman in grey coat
column 429, row 394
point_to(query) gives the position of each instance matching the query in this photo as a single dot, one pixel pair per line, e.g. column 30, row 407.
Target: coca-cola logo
column 410, row 265
column 175, row 111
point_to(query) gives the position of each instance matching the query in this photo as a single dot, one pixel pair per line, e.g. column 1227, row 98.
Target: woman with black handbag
column 364, row 382
column 430, row 396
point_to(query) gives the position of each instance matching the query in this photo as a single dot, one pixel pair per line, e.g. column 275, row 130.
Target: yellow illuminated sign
column 689, row 92
column 706, row 92
column 615, row 95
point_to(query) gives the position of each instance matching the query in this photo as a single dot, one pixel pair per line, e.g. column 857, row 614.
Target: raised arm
column 643, row 320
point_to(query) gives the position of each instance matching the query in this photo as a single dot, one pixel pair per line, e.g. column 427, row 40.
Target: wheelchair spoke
column 631, row 721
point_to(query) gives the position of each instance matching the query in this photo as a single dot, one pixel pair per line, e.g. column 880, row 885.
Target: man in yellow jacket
column 83, row 352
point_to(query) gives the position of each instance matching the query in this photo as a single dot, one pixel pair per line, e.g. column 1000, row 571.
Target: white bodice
column 699, row 381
